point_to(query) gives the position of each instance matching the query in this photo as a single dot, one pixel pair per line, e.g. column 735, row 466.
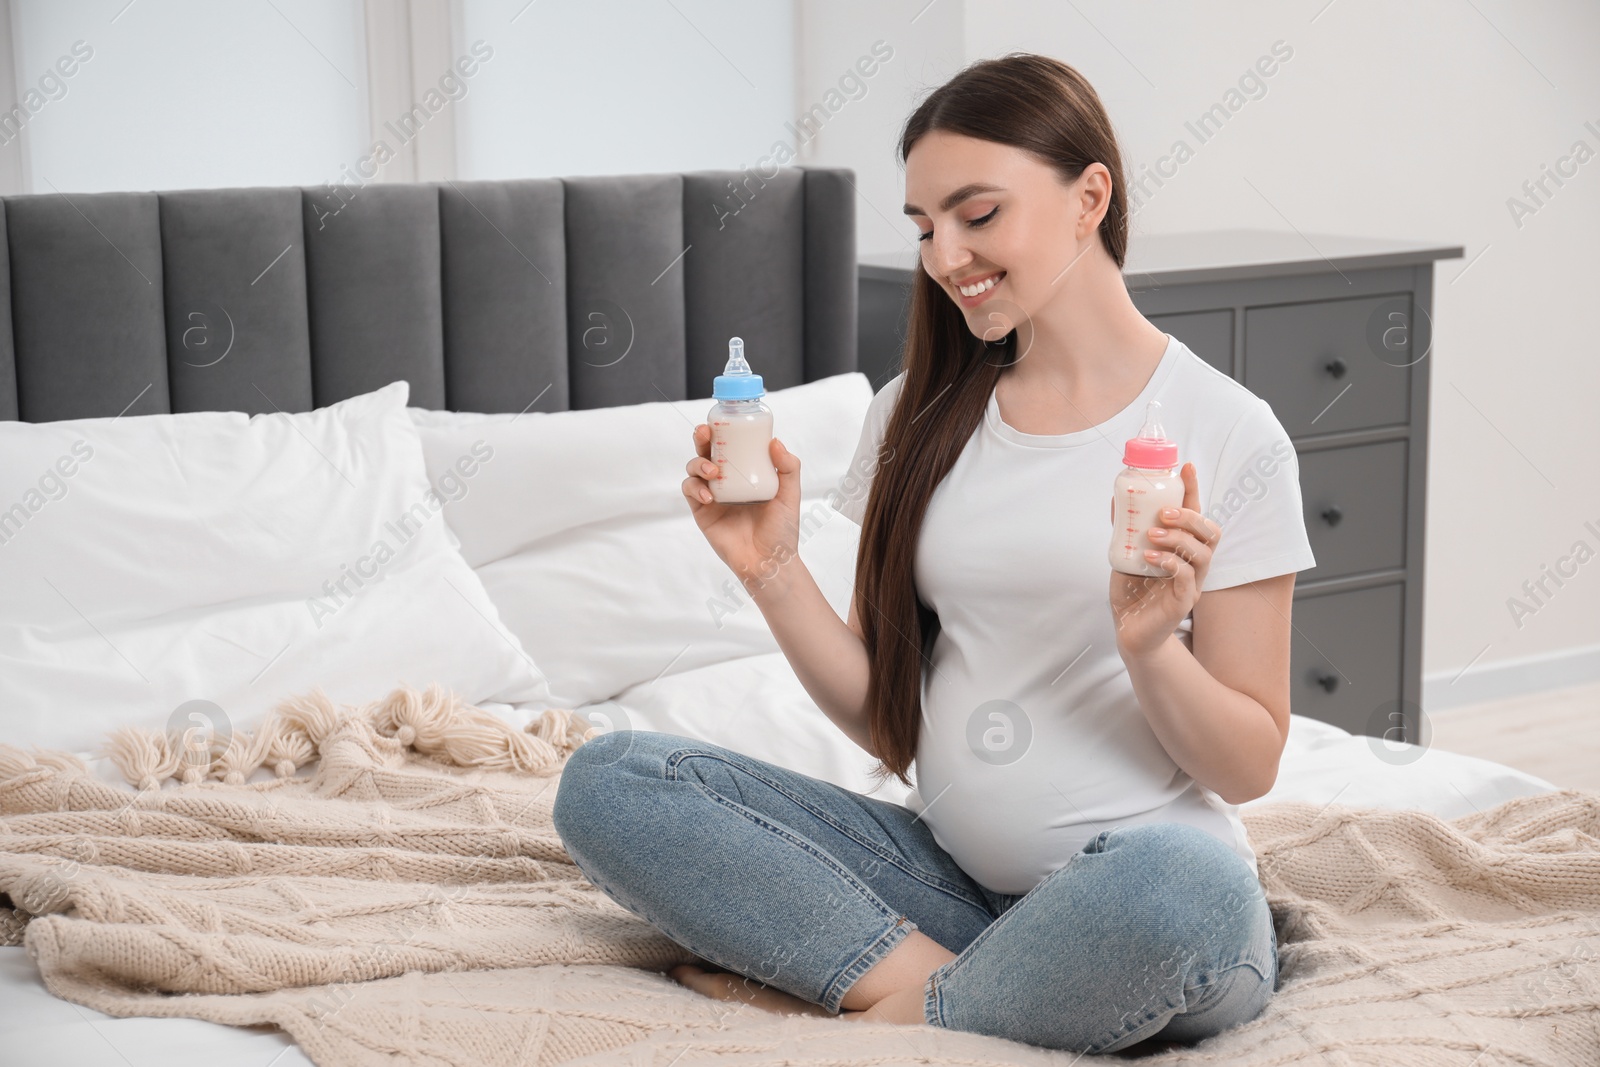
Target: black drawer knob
column 1329, row 682
column 1336, row 367
column 1332, row 515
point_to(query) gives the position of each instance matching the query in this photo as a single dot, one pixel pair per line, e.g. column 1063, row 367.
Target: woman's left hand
column 1147, row 610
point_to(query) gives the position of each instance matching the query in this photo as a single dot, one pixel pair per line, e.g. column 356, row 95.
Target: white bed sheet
column 757, row 706
column 40, row 1030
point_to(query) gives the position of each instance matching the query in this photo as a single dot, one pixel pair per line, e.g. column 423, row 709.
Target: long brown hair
column 1045, row 107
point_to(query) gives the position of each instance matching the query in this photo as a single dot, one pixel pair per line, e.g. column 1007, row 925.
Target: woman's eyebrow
column 969, row 190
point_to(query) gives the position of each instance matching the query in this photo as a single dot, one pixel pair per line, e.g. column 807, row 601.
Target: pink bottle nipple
column 1151, row 450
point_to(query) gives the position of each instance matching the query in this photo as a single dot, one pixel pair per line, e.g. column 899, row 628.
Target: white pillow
column 577, row 525
column 608, row 606
column 154, row 560
column 543, row 473
column 1324, row 764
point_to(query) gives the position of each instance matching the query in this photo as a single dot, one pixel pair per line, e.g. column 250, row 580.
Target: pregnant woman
column 1070, row 869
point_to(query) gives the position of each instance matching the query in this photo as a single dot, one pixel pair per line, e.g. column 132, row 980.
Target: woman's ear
column 1094, row 196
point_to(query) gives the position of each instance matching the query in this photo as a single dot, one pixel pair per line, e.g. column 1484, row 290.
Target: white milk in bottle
column 1145, row 486
column 741, row 433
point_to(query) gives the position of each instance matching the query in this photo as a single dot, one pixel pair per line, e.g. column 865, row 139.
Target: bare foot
column 904, row 1007
column 723, row 985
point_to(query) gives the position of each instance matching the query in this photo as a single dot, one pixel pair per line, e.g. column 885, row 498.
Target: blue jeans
column 1151, row 930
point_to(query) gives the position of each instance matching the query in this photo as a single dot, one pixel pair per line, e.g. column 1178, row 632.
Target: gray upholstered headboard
column 580, row 292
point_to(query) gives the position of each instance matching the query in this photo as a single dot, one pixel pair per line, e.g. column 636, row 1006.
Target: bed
column 530, row 334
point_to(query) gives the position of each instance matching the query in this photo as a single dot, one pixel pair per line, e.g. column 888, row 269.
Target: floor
column 1554, row 735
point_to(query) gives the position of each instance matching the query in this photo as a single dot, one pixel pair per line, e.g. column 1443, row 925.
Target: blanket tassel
column 434, row 722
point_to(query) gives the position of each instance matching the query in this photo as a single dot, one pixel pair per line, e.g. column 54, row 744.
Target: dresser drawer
column 1318, row 363
column 1355, row 508
column 1345, row 658
column 1209, row 334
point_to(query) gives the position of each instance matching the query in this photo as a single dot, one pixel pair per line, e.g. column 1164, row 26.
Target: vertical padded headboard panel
column 505, row 295
column 625, row 315
column 8, row 363
column 87, row 315
column 744, row 274
column 830, row 278
column 374, row 296
column 236, row 300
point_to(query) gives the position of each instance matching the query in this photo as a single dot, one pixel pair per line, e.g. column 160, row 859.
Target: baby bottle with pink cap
column 1148, row 484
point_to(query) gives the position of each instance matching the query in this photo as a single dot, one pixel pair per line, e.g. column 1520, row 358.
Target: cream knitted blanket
column 409, row 901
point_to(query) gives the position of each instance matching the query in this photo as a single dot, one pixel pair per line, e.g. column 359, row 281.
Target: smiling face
column 996, row 225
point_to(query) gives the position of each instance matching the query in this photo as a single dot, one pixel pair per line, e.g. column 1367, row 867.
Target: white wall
column 927, row 47
column 181, row 94
column 1416, row 120
column 624, row 87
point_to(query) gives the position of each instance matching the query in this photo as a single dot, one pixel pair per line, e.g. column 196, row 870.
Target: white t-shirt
column 1032, row 739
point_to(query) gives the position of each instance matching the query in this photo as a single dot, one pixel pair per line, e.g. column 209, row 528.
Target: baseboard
column 1503, row 679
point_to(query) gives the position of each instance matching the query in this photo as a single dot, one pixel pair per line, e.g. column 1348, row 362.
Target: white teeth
column 982, row 287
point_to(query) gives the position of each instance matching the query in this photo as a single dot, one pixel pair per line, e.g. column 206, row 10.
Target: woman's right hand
column 753, row 539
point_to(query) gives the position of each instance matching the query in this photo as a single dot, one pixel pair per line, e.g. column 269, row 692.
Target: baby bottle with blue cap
column 741, row 434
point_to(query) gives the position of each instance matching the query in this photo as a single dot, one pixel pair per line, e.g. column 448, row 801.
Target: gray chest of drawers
column 1335, row 334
